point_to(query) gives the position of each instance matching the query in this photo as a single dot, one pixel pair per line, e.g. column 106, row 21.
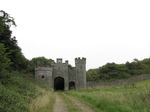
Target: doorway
column 71, row 85
column 59, row 84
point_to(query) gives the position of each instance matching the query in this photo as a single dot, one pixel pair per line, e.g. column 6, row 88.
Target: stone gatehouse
column 62, row 76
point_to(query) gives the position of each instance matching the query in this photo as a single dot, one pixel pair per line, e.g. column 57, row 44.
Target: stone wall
column 118, row 82
column 59, row 75
column 44, row 75
column 72, row 74
column 80, row 64
column 60, row 69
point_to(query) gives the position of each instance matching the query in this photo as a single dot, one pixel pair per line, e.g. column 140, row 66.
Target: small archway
column 71, row 85
column 59, row 83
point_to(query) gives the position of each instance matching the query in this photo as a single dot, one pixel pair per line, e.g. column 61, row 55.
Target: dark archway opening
column 42, row 76
column 71, row 85
column 59, row 83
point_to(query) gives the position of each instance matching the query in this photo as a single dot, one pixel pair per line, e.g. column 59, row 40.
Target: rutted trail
column 59, row 105
column 83, row 107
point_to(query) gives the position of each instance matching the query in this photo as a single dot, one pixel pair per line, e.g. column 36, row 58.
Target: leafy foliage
column 4, row 60
column 92, row 74
column 13, row 51
column 17, row 92
column 40, row 61
column 112, row 71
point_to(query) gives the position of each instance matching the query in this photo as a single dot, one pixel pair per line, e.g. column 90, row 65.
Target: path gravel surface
column 79, row 104
column 59, row 104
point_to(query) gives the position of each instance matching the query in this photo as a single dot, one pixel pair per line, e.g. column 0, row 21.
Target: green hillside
column 22, row 94
column 18, row 92
column 117, row 99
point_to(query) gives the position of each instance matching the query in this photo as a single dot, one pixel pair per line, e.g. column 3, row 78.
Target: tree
column 19, row 62
column 38, row 60
column 113, row 71
column 136, row 67
column 6, row 18
column 92, row 74
column 4, row 60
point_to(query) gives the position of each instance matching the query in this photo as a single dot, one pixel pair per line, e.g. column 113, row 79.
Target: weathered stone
column 61, row 76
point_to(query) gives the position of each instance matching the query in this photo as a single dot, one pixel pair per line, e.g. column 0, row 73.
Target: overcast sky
column 100, row 30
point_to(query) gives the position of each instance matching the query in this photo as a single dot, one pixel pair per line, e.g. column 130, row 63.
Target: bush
column 16, row 93
column 4, row 60
column 11, row 101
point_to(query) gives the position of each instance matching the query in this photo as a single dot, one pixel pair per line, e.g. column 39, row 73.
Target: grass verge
column 117, row 99
column 43, row 103
column 18, row 93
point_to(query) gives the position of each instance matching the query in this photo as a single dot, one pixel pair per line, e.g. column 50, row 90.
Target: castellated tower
column 61, row 76
column 80, row 65
column 44, row 75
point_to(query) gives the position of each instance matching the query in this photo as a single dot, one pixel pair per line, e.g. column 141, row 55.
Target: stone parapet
column 43, row 69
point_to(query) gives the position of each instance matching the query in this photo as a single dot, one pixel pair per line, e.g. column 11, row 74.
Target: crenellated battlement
column 80, row 60
column 62, row 77
column 60, row 61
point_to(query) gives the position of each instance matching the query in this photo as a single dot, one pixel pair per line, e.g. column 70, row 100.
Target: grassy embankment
column 18, row 94
column 119, row 98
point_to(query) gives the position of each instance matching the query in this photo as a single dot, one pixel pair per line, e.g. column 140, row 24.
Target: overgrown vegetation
column 10, row 53
column 117, row 99
column 44, row 102
column 17, row 92
column 41, row 61
column 113, row 71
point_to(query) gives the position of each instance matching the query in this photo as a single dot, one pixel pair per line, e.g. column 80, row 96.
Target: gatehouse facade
column 62, row 76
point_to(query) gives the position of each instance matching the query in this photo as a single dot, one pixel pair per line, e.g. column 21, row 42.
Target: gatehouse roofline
column 74, row 77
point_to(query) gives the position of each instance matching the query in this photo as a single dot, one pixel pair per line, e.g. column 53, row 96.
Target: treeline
column 11, row 56
column 113, row 71
column 17, row 90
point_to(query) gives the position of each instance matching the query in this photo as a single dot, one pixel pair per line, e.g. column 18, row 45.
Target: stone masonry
column 61, row 76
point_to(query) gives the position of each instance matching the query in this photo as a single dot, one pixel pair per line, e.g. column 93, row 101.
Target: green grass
column 43, row 103
column 18, row 93
column 119, row 98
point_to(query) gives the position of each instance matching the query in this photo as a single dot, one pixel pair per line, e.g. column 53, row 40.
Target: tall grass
column 18, row 93
column 43, row 103
column 118, row 99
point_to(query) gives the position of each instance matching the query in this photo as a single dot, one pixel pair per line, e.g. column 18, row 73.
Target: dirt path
column 59, row 105
column 79, row 104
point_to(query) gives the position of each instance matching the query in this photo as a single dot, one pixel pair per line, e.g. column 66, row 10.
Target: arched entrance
column 59, row 83
column 71, row 85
